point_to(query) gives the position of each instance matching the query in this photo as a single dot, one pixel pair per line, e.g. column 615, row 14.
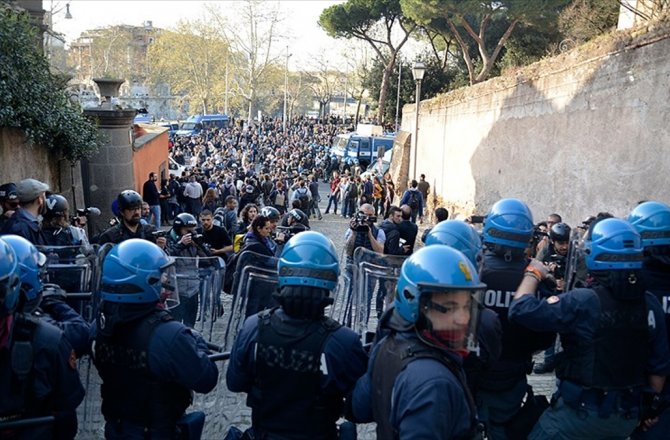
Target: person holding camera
column 362, row 232
column 56, row 226
column 184, row 242
column 130, row 208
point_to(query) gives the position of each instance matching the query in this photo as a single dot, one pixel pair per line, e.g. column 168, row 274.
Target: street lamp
column 418, row 70
column 288, row 55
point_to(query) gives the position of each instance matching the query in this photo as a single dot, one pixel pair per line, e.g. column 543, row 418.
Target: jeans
column 561, row 421
column 156, row 213
column 175, row 209
column 186, row 311
column 314, row 208
column 332, row 200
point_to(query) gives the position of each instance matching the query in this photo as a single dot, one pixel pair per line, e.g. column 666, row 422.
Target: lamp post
column 418, row 70
column 397, row 98
column 53, row 10
column 288, row 55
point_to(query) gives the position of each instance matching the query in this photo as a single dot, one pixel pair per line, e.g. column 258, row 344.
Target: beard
column 133, row 221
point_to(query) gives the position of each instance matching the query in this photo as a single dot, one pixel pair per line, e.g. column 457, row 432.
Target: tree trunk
column 383, row 92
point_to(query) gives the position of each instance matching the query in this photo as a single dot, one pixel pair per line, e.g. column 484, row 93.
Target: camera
column 560, row 262
column 88, row 212
column 361, row 222
column 159, row 234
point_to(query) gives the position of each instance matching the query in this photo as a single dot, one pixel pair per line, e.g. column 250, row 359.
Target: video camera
column 91, row 211
column 361, row 222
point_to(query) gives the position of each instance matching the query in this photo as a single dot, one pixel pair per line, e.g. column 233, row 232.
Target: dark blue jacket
column 343, row 360
column 428, row 400
column 23, row 223
column 77, row 331
column 406, row 197
column 577, row 312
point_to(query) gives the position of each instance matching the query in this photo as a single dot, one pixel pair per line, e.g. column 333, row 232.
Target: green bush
column 32, row 99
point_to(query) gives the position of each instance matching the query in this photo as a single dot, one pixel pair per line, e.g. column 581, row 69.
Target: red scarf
column 446, row 339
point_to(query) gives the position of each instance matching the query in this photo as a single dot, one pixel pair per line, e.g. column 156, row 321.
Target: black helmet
column 270, row 212
column 129, row 199
column 56, row 206
column 184, row 220
column 559, row 232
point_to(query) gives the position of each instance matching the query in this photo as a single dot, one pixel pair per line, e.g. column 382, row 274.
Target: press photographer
column 555, row 254
column 362, row 232
column 185, row 244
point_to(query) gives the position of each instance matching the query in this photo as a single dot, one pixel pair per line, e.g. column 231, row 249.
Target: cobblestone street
column 223, row 408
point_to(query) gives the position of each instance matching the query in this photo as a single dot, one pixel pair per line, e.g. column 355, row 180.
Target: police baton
column 219, row 356
column 27, row 423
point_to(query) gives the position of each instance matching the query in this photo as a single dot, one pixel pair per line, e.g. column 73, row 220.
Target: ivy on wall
column 34, row 100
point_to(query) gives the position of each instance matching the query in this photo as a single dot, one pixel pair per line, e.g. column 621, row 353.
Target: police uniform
column 424, row 392
column 38, row 377
column 503, row 385
column 118, row 233
column 609, row 347
column 290, row 398
column 148, row 368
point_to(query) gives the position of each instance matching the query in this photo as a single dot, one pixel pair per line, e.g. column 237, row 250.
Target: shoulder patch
column 553, row 299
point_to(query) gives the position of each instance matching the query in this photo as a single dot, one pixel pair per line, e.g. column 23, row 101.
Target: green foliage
column 528, row 45
column 35, row 101
column 585, row 19
column 435, row 81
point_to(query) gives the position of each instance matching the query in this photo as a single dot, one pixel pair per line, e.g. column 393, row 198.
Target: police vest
column 615, row 357
column 129, row 390
column 518, row 343
column 657, row 281
column 286, row 397
column 17, row 374
column 362, row 240
column 392, row 357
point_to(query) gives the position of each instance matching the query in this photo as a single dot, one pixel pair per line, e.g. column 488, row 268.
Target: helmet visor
column 169, row 295
column 453, row 317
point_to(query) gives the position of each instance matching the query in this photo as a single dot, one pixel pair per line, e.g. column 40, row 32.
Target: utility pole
column 288, row 55
column 225, row 101
column 397, row 98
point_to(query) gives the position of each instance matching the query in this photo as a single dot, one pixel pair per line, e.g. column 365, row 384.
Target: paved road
column 222, row 407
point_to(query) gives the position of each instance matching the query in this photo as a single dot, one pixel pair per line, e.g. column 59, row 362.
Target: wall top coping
column 151, row 132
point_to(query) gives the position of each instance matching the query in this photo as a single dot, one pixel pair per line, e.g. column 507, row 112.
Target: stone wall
column 584, row 132
column 20, row 160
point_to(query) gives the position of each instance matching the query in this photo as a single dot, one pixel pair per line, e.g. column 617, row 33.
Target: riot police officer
column 508, row 229
column 415, row 386
column 148, row 362
column 613, row 338
column 652, row 220
column 130, row 207
column 38, row 375
column 47, row 302
column 295, row 364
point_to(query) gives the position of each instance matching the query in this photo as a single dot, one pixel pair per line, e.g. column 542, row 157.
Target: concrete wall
column 585, row 132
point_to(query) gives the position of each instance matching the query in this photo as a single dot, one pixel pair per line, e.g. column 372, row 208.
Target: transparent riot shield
column 373, row 288
column 341, row 309
column 76, row 270
column 254, row 282
column 200, row 285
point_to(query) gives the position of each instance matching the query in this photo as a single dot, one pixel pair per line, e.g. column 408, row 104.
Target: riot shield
column 254, row 282
column 200, row 284
column 76, row 270
column 374, row 282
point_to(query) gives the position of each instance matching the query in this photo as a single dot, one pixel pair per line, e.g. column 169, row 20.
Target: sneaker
column 543, row 368
column 320, row 217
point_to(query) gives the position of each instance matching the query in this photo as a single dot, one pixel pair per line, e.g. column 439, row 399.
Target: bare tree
column 252, row 36
column 323, row 82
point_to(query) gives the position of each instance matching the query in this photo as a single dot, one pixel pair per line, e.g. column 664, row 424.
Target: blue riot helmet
column 613, row 244
column 509, row 223
column 652, row 221
column 439, row 292
column 10, row 280
column 458, row 235
column 138, row 272
column 309, row 259
column 31, row 268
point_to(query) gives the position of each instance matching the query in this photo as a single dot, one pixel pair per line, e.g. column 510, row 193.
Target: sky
column 306, row 37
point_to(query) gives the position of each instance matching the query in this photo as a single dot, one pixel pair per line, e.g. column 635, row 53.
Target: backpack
column 413, row 201
column 303, row 196
column 280, row 199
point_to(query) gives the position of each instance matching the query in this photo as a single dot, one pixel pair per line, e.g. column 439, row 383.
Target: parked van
column 195, row 124
column 362, row 148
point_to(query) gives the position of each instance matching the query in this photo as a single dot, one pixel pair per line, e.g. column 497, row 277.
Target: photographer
column 56, row 227
column 214, row 236
column 182, row 241
column 362, row 232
